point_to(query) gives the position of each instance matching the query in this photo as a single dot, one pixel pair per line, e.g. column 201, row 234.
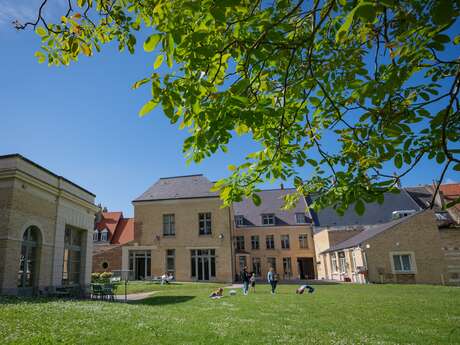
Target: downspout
column 233, row 257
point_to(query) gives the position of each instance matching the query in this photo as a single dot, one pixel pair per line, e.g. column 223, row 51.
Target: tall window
column 104, row 235
column 169, row 228
column 239, row 242
column 204, row 221
column 334, row 266
column 268, row 219
column 270, row 241
column 171, row 261
column 303, row 241
column 96, row 235
column 255, row 242
column 239, row 220
column 285, row 242
column 403, row 263
column 271, row 262
column 342, row 262
column 287, row 268
column 256, row 266
column 203, row 264
column 28, row 259
column 72, row 257
column 242, row 262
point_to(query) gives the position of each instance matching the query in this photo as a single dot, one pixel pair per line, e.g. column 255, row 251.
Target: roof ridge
column 179, row 176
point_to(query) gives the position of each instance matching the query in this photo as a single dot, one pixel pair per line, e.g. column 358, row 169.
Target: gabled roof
column 124, row 232
column 179, row 187
column 375, row 213
column 368, row 233
column 272, row 202
column 109, row 221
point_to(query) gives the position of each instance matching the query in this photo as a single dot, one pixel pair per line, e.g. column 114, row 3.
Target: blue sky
column 81, row 122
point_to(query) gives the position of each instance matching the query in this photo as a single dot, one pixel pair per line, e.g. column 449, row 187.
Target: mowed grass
column 183, row 314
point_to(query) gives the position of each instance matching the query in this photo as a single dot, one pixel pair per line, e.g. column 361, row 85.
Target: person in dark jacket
column 245, row 279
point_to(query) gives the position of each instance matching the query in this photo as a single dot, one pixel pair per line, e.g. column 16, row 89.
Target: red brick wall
column 106, row 253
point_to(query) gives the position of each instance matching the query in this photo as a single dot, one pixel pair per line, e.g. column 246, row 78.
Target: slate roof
column 375, row 213
column 369, row 232
column 272, row 202
column 179, row 187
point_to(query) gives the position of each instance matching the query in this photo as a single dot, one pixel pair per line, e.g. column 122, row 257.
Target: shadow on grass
column 163, row 300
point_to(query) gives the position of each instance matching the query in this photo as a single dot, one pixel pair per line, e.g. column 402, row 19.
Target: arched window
column 104, row 235
column 28, row 260
column 96, row 235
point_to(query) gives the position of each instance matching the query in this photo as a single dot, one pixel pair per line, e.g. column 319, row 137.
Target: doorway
column 140, row 263
column 28, row 265
column 306, row 268
column 203, row 264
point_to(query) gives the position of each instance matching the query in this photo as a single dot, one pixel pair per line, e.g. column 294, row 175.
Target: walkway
column 135, row 296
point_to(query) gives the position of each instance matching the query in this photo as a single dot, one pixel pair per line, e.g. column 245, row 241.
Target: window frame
column 255, row 239
column 305, row 219
column 205, row 224
column 172, row 256
column 285, row 241
column 169, row 228
column 239, row 221
column 239, row 242
column 272, row 238
column 268, row 216
column 412, row 262
column 104, row 235
column 303, row 238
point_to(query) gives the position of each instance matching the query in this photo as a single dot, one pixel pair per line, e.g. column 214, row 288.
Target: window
column 303, row 241
column 169, row 228
column 204, row 221
column 171, row 261
column 403, row 263
column 256, row 266
column 270, row 241
column 104, row 235
column 239, row 220
column 72, row 257
column 255, row 242
column 271, row 262
column 96, row 235
column 268, row 219
column 203, row 264
column 301, row 218
column 285, row 242
column 27, row 265
column 334, row 266
column 239, row 242
column 353, row 261
column 342, row 262
column 242, row 262
column 287, row 268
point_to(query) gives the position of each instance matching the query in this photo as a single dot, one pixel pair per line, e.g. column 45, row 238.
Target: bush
column 106, row 275
column 95, row 277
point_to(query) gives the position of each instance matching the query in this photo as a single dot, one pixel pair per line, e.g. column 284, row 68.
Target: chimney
column 282, row 186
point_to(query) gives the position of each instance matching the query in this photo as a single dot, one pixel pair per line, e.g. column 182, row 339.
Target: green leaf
column 398, row 161
column 232, row 167
column 151, row 42
column 341, row 33
column 158, row 61
column 148, row 107
column 442, row 11
column 40, row 56
column 440, row 157
column 256, row 199
column 457, row 39
column 360, row 207
column 366, row 11
column 457, row 167
column 40, row 31
column 315, row 101
column 170, row 52
column 453, row 203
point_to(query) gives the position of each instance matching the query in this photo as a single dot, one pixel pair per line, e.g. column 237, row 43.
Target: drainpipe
column 233, row 257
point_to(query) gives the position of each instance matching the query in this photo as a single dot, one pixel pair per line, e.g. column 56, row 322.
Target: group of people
column 166, row 278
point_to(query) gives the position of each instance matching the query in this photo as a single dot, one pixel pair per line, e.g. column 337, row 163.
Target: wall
column 263, row 253
column 148, row 234
column 450, row 244
column 109, row 253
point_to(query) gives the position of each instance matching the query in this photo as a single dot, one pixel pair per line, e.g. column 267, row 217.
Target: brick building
column 46, row 229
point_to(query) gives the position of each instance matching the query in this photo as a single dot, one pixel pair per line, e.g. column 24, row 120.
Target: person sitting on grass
column 217, row 293
column 302, row 289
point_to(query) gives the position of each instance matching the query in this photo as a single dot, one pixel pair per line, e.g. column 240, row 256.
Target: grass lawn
column 183, row 314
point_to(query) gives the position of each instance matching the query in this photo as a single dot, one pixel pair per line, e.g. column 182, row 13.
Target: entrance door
column 140, row 264
column 27, row 274
column 203, row 264
column 306, row 268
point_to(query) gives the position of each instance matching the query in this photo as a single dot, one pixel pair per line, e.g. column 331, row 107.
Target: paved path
column 135, row 296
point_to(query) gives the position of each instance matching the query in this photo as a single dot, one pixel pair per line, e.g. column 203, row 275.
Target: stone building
column 181, row 228
column 111, row 232
column 267, row 236
column 46, row 229
column 406, row 250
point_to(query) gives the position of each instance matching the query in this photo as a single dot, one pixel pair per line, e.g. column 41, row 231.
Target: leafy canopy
column 369, row 75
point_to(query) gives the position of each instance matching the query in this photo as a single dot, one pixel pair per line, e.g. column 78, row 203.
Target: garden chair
column 97, row 291
column 109, row 291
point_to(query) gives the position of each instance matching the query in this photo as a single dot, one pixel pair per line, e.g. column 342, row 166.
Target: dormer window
column 95, row 236
column 239, row 220
column 300, row 218
column 268, row 219
column 104, row 235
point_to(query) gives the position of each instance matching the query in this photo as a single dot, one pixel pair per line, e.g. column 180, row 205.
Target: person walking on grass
column 272, row 279
column 252, row 280
column 245, row 279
